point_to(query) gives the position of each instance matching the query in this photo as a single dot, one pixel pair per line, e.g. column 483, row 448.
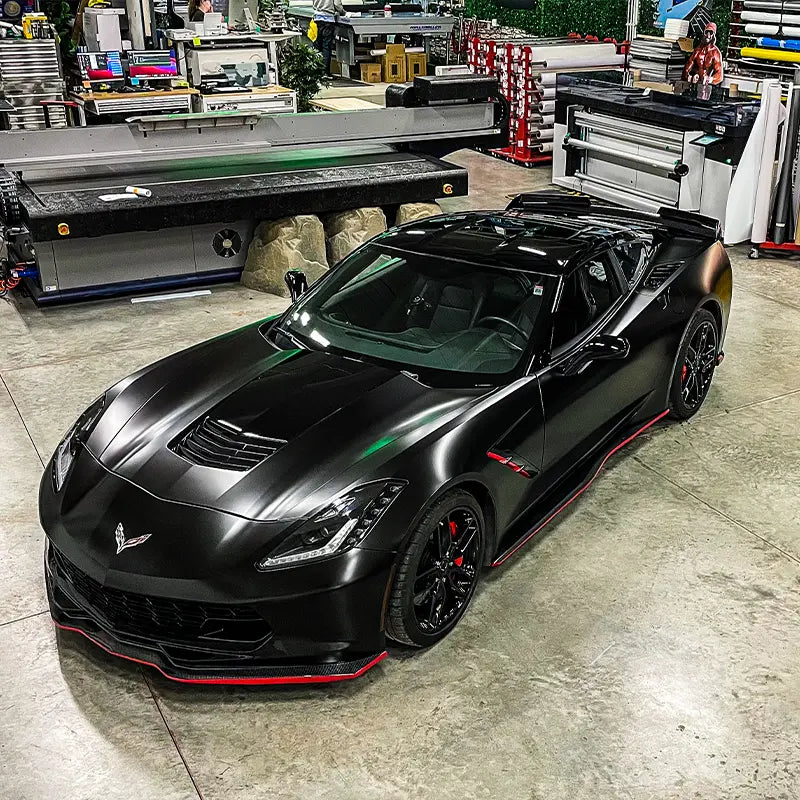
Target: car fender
column 455, row 456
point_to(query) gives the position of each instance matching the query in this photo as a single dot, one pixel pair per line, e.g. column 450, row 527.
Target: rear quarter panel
column 704, row 281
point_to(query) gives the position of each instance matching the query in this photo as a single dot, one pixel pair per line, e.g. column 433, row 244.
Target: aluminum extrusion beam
column 196, row 138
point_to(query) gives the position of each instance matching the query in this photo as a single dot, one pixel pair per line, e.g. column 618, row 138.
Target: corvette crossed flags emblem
column 122, row 542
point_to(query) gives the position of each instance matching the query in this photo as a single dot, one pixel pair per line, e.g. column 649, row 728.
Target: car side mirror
column 601, row 348
column 297, row 282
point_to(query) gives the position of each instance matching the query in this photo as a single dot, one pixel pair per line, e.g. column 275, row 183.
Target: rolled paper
column 766, row 16
column 764, row 54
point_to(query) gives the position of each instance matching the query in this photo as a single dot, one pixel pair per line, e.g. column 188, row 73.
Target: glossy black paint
column 347, row 422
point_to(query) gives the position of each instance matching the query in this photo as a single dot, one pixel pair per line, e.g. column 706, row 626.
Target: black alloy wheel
column 695, row 365
column 447, row 572
column 438, row 572
column 698, row 368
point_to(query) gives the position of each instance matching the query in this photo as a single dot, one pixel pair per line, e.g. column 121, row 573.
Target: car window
column 632, row 256
column 422, row 311
column 588, row 292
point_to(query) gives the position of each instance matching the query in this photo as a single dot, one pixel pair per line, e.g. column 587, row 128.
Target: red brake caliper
column 683, row 373
column 453, row 533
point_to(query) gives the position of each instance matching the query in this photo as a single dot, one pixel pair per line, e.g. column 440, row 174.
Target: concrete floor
column 645, row 646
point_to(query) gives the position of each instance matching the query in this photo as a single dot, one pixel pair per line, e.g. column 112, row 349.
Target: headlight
column 338, row 527
column 65, row 453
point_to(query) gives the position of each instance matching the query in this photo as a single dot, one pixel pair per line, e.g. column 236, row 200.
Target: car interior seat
column 446, row 309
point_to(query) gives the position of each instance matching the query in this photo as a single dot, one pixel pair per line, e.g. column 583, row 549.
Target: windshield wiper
column 294, row 340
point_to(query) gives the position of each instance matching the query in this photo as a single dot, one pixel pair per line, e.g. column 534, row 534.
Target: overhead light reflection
column 532, row 250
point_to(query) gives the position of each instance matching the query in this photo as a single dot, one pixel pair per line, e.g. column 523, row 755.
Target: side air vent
column 660, row 274
column 217, row 443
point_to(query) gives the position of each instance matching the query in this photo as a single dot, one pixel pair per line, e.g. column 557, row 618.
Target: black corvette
column 269, row 505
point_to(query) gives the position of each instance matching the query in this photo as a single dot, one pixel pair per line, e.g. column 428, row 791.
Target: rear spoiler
column 691, row 222
column 551, row 201
column 687, row 222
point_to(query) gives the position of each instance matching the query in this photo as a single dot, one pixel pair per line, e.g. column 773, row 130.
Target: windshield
column 423, row 311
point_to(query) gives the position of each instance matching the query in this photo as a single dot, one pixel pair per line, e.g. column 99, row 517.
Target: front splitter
column 312, row 673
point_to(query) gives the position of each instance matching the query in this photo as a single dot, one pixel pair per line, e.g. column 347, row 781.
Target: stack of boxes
column 659, row 60
column 395, row 66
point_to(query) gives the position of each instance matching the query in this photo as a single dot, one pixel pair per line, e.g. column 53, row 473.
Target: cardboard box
column 336, row 67
column 395, row 49
column 394, row 69
column 416, row 64
column 394, row 64
column 370, row 73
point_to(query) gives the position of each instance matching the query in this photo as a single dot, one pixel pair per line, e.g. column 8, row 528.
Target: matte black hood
column 336, row 415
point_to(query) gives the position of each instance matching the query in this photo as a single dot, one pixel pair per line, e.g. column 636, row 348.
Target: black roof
column 518, row 239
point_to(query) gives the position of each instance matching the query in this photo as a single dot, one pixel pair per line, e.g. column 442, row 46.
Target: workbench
column 354, row 26
column 267, row 99
column 137, row 102
column 344, row 104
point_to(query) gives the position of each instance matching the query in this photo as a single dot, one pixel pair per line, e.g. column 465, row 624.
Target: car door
column 591, row 386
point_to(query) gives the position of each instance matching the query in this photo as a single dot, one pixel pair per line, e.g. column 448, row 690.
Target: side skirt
column 583, row 480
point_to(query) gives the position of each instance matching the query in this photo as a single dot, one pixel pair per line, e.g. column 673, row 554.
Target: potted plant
column 302, row 69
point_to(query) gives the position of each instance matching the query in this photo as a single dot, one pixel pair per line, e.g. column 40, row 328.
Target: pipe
column 666, row 166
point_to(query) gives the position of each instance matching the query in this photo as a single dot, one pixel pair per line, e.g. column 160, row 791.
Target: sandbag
column 347, row 230
column 408, row 212
column 284, row 244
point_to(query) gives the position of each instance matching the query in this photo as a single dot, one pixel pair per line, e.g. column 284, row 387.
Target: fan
column 227, row 243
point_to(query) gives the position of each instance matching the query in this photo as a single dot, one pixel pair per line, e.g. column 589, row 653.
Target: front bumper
column 190, row 602
column 256, row 657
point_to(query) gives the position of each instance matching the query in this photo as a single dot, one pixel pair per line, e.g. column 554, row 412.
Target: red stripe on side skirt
column 582, row 489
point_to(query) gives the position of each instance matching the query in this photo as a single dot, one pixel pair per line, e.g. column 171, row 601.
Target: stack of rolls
column 774, row 26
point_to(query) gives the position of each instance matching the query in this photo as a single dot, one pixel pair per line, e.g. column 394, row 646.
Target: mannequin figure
column 704, row 67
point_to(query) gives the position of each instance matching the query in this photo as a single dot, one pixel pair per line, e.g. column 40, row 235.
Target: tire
column 442, row 581
column 694, row 370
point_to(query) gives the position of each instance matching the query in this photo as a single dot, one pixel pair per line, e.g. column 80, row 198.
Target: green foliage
column 302, row 69
column 721, row 14
column 61, row 16
column 559, row 17
column 601, row 18
column 648, row 10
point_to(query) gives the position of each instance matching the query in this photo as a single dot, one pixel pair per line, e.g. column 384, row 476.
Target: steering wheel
column 505, row 321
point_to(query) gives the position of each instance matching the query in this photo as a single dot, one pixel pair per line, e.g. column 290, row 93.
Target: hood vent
column 222, row 445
